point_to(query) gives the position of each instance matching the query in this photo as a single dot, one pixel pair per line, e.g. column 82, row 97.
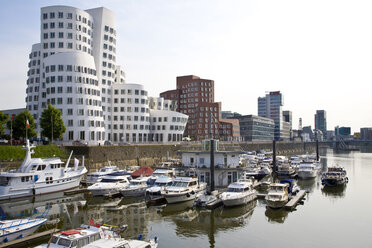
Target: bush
column 16, row 153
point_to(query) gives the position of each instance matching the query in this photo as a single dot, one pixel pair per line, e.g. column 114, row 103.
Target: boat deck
column 26, row 240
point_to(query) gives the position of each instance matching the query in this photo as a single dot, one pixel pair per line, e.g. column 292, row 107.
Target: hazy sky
column 317, row 53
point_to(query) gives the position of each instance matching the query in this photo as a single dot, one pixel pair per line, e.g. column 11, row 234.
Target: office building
column 270, row 106
column 256, row 128
column 366, row 133
column 320, row 119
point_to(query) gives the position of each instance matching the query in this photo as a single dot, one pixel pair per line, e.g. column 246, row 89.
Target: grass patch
column 16, row 153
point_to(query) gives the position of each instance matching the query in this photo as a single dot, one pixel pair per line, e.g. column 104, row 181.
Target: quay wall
column 151, row 155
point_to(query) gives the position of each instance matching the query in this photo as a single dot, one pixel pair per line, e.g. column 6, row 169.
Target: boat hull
column 133, row 192
column 236, row 201
column 334, row 182
column 276, row 204
column 6, row 236
column 41, row 188
column 181, row 197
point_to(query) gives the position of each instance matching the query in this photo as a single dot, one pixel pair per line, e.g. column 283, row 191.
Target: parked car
column 79, row 143
column 107, row 143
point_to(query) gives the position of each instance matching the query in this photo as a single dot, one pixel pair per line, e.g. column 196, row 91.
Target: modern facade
column 270, row 106
column 366, row 133
column 74, row 69
column 287, row 118
column 256, row 128
column 195, row 97
column 320, row 120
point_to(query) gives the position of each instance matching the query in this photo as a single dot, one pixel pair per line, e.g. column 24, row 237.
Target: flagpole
column 26, row 130
column 11, row 130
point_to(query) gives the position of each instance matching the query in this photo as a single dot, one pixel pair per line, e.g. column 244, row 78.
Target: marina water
column 335, row 217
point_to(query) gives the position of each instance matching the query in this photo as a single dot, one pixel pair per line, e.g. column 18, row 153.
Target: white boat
column 153, row 194
column 111, row 184
column 277, row 196
column 239, row 193
column 183, row 189
column 335, row 176
column 97, row 176
column 307, row 170
column 38, row 176
column 136, row 187
column 19, row 228
column 96, row 237
column 161, row 173
column 286, row 170
column 211, row 200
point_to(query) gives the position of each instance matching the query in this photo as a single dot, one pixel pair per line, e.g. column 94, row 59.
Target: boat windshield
column 64, row 242
column 275, row 197
column 54, row 240
column 110, row 180
column 234, row 190
column 180, row 184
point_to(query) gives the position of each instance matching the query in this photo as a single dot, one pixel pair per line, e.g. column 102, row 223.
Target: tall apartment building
column 195, row 97
column 320, row 119
column 270, row 106
column 74, row 68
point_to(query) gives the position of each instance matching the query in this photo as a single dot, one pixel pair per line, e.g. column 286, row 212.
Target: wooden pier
column 293, row 202
column 26, row 240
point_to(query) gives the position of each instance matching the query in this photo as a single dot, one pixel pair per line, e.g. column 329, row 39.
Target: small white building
column 226, row 164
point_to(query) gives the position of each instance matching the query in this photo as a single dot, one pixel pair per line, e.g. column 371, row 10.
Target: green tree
column 51, row 120
column 3, row 120
column 19, row 125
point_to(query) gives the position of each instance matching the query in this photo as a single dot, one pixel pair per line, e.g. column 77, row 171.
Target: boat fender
column 156, row 239
column 192, row 192
column 140, row 237
column 347, row 179
column 20, row 236
column 188, row 195
column 6, row 240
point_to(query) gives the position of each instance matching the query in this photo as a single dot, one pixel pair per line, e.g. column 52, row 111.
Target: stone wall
column 151, row 155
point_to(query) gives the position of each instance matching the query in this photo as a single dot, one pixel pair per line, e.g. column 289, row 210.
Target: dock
column 293, row 202
column 76, row 191
column 26, row 240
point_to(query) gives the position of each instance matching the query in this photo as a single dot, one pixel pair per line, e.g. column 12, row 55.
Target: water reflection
column 308, row 184
column 334, row 192
column 276, row 215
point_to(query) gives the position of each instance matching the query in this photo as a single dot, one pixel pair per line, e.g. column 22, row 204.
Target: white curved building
column 74, row 69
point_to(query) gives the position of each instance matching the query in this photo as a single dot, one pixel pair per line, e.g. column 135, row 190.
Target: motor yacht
column 105, row 236
column 153, row 194
column 183, row 189
column 307, row 170
column 97, row 176
column 38, row 176
column 111, row 184
column 277, row 196
column 335, row 176
column 286, row 170
column 136, row 187
column 239, row 193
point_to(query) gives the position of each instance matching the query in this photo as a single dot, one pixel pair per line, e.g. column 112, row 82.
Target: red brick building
column 195, row 97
